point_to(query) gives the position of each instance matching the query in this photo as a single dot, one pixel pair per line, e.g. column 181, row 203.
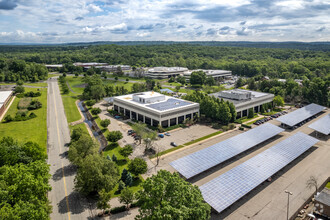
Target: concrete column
column 124, row 111
column 168, row 123
column 192, row 116
column 177, row 120
column 137, row 116
column 144, row 119
column 151, row 121
column 130, row 115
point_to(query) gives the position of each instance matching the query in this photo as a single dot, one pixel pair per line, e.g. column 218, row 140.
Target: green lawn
column 172, row 84
column 245, row 118
column 70, row 107
column 36, row 84
column 251, row 122
column 127, row 85
column 274, row 111
column 31, row 130
column 75, row 84
column 328, row 185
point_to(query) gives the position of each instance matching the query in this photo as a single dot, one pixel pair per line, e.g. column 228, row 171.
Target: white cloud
column 89, row 20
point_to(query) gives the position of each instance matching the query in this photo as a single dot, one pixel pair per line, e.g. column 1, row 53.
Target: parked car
column 117, row 117
column 129, row 132
column 167, row 134
column 174, row 144
column 161, row 135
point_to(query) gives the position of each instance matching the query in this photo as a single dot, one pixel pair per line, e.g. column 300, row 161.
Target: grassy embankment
column 31, row 130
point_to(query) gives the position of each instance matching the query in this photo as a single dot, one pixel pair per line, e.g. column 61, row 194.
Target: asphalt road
column 66, row 203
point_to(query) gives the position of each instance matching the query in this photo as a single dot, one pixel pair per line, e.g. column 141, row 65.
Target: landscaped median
column 186, row 144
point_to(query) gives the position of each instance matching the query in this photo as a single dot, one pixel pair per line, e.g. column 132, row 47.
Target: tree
column 311, row 183
column 114, row 158
column 76, row 134
column 8, row 118
column 81, row 148
column 137, row 166
column 177, row 88
column 239, row 83
column 124, row 175
column 149, row 138
column 252, row 84
column 114, row 136
column 140, row 130
column 250, row 113
column 24, row 189
column 278, row 101
column 96, row 173
column 181, row 79
column 96, row 111
column 105, row 123
column 210, row 81
column 103, row 201
column 167, row 194
column 129, row 179
column 126, row 151
column 121, row 185
column 19, row 82
column 126, row 197
column 19, row 89
column 197, row 78
column 127, row 79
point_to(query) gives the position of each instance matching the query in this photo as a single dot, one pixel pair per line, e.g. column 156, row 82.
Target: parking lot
column 267, row 201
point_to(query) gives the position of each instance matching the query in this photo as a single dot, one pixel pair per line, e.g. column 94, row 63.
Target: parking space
column 184, row 135
column 268, row 200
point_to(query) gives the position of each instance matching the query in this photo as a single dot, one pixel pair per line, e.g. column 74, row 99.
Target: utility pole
column 289, row 193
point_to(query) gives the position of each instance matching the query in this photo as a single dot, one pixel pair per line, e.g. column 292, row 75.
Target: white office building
column 243, row 100
column 216, row 74
column 165, row 72
column 154, row 108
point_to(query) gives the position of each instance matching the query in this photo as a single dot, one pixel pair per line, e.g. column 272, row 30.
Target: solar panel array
column 202, row 160
column 322, row 125
column 301, row 114
column 169, row 104
column 229, row 187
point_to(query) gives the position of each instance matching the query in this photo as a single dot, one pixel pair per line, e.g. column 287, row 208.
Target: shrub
column 105, row 123
column 126, row 151
column 19, row 89
column 35, row 104
column 246, row 126
column 231, row 126
column 114, row 136
column 90, row 103
column 96, row 111
column 114, row 158
column 241, row 128
column 21, row 95
column 8, row 118
column 121, row 185
column 32, row 115
column 224, row 128
column 118, row 209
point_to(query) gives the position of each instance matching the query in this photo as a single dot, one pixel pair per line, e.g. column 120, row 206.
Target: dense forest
column 311, row 66
column 275, row 63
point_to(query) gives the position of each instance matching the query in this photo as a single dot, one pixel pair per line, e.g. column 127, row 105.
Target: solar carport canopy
column 229, row 187
column 322, row 125
column 301, row 114
column 202, row 160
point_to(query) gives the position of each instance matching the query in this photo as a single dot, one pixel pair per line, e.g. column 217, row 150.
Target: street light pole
column 287, row 212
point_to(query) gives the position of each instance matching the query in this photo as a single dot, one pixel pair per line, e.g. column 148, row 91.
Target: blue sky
column 61, row 21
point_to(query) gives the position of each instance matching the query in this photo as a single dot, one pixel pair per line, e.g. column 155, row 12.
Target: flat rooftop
column 167, row 103
column 322, row 125
column 210, row 72
column 254, row 95
column 163, row 69
column 4, row 96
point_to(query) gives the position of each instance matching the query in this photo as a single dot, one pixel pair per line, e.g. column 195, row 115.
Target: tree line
column 24, row 176
column 214, row 108
column 13, row 70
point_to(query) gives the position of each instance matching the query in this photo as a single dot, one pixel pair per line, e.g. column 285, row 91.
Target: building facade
column 244, row 100
column 4, row 99
column 154, row 108
column 216, row 74
column 165, row 72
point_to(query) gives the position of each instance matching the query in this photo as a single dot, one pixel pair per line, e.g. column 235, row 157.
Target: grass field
column 328, row 185
column 31, row 130
column 70, row 107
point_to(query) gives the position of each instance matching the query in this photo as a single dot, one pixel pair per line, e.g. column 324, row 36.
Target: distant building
column 244, row 100
column 216, row 74
column 4, row 99
column 53, row 66
column 89, row 64
column 165, row 72
column 110, row 68
column 154, row 108
column 322, row 203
